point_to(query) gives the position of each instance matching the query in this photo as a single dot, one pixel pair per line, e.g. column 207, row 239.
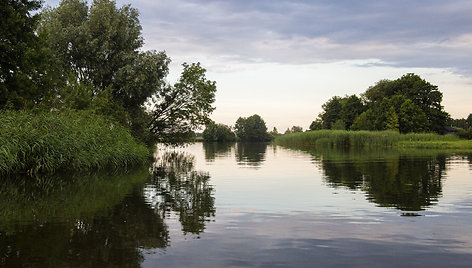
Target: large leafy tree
column 27, row 71
column 423, row 94
column 100, row 46
column 252, row 128
column 409, row 104
column 339, row 113
column 100, row 50
column 331, row 112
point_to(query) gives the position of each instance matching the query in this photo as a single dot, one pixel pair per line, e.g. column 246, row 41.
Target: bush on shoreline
column 51, row 141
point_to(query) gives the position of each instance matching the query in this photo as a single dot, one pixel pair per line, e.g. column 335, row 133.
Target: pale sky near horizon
column 284, row 59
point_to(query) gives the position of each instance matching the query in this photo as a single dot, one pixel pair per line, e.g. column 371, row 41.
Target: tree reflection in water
column 181, row 189
column 390, row 179
column 251, row 153
column 100, row 220
column 93, row 221
column 214, row 150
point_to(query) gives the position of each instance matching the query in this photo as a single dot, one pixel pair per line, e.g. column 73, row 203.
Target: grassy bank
column 360, row 139
column 47, row 142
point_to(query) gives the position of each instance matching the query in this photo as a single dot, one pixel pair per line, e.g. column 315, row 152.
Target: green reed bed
column 51, row 141
column 360, row 139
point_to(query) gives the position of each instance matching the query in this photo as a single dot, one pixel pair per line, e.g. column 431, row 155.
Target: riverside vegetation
column 77, row 91
column 360, row 139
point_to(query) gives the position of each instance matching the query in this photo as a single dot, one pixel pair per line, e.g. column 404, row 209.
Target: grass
column 51, row 141
column 362, row 139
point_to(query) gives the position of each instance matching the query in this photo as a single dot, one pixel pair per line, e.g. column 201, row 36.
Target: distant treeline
column 251, row 129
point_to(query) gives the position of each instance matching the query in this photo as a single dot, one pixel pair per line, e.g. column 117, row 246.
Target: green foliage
column 100, row 45
column 352, row 107
column 180, row 109
column 218, row 132
column 365, row 121
column 274, row 133
column 99, row 49
column 50, row 141
column 424, row 95
column 408, row 104
column 316, row 125
column 465, row 134
column 361, row 139
column 412, row 118
column 392, row 120
column 293, row 129
column 339, row 125
column 339, row 111
column 462, row 123
column 28, row 74
column 331, row 112
column 252, row 128
column 296, row 129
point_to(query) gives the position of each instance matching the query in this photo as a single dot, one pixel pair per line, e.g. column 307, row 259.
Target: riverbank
column 360, row 139
column 47, row 142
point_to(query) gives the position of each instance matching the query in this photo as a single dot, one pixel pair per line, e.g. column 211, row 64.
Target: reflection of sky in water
column 284, row 213
column 285, row 181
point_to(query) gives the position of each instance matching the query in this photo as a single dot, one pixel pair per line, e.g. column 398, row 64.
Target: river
column 247, row 205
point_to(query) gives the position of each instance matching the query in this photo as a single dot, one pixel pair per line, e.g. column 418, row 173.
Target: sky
column 284, row 59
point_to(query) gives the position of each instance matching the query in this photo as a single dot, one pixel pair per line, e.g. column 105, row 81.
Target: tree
column 218, row 132
column 274, row 133
column 412, row 118
column 339, row 125
column 424, row 95
column 252, row 128
column 331, row 112
column 365, row 121
column 180, row 109
column 392, row 120
column 100, row 51
column 352, row 107
column 100, row 46
column 468, row 121
column 27, row 68
column 296, row 129
column 316, row 125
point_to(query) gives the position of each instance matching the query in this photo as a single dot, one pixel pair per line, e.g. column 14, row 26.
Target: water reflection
column 102, row 219
column 405, row 181
column 176, row 187
column 251, row 154
column 214, row 150
column 98, row 220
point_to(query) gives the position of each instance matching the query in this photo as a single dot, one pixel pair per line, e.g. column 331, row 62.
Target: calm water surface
column 214, row 205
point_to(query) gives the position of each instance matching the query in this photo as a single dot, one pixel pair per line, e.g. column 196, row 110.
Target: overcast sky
column 284, row 59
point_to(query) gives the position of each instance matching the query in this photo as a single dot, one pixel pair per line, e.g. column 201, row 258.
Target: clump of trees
column 407, row 104
column 293, row 129
column 81, row 57
column 218, row 132
column 252, row 128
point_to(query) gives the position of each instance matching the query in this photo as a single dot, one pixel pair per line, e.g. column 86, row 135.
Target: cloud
column 403, row 33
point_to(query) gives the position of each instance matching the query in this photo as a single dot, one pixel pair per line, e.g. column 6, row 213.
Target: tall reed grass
column 360, row 139
column 50, row 141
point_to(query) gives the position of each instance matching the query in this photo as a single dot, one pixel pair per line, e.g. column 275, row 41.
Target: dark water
column 240, row 205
